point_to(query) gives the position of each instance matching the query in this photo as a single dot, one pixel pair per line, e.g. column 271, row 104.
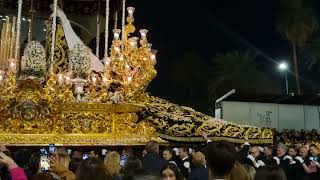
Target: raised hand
column 6, row 160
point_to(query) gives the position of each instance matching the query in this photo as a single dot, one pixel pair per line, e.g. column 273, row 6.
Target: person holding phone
column 16, row 172
column 44, row 161
column 59, row 164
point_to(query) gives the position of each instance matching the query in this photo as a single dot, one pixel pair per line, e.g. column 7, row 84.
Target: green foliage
column 311, row 54
column 297, row 21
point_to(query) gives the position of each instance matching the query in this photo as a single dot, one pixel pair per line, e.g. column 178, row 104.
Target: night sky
column 208, row 28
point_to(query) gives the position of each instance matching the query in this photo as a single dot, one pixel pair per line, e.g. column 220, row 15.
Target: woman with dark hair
column 92, row 168
column 270, row 172
column 171, row 172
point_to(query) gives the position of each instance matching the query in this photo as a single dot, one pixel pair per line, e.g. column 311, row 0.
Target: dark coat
column 153, row 164
column 184, row 170
column 199, row 173
column 269, row 161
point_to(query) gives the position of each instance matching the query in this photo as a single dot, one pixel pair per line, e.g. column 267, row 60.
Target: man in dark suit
column 152, row 162
column 287, row 164
column 268, row 157
column 184, row 162
column 167, row 154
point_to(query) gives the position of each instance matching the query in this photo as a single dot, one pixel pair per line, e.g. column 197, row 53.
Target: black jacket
column 199, row 173
column 269, row 161
column 288, row 168
column 153, row 164
column 185, row 171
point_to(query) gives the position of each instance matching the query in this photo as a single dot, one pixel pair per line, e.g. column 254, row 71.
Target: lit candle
column 129, row 79
column 116, row 34
column 143, row 33
column 117, row 49
column 149, row 46
column 107, row 62
column 133, row 42
column 12, row 65
column 130, row 11
column 94, row 80
column 104, row 80
column 1, row 77
column 153, row 57
column 68, row 80
column 60, row 79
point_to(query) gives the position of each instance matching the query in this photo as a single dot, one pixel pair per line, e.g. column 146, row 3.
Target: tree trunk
column 296, row 69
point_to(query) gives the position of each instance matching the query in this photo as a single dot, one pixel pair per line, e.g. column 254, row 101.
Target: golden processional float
column 80, row 101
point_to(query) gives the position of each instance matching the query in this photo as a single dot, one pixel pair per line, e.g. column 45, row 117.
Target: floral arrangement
column 116, row 97
column 34, row 60
column 79, row 61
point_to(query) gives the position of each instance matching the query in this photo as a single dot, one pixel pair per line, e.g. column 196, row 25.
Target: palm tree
column 237, row 70
column 296, row 22
column 311, row 54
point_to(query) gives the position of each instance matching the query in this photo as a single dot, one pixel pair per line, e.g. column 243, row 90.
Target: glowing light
column 143, row 33
column 283, row 66
column 130, row 11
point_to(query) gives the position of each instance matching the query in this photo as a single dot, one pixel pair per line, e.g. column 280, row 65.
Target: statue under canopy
column 66, row 39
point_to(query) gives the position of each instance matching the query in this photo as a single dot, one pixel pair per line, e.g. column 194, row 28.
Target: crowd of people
column 213, row 161
column 296, row 137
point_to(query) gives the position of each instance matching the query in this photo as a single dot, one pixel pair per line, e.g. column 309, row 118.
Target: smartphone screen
column 85, row 156
column 44, row 162
column 123, row 160
column 52, row 149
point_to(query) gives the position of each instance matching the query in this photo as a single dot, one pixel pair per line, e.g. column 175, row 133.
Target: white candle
column 94, row 80
column 60, row 79
column 130, row 11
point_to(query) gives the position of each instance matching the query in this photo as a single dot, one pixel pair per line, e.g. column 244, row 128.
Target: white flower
column 34, row 57
column 186, row 164
column 116, row 97
column 79, row 60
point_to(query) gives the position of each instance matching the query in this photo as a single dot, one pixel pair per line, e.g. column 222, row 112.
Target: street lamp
column 283, row 66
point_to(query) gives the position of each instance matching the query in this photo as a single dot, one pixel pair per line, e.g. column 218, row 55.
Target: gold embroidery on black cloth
column 178, row 123
column 60, row 49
